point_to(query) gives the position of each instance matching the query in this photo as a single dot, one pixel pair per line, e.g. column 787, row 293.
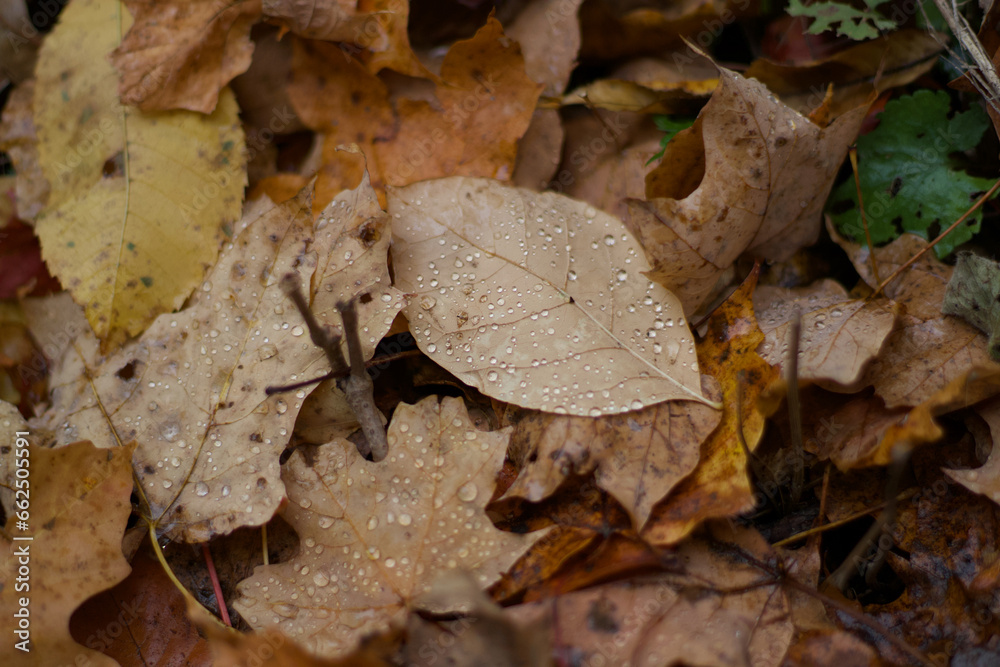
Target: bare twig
column 912, row 260
column 983, row 74
column 853, row 152
column 794, row 408
column 358, row 388
column 842, row 575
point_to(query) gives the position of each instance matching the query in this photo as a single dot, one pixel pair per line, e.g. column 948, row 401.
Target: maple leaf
column 751, row 174
column 78, row 506
column 537, row 299
column 376, row 535
column 195, row 380
column 984, row 480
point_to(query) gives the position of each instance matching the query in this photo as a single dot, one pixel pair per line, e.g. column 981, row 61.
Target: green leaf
column 669, row 125
column 857, row 24
column 909, row 181
column 972, row 295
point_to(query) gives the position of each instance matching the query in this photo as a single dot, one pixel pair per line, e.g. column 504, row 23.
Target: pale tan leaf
column 840, row 335
column 191, row 389
column 637, row 457
column 926, row 350
column 984, row 480
column 374, row 536
column 18, row 139
column 537, row 299
column 765, row 173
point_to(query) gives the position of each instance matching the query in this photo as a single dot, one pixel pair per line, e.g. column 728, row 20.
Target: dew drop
column 405, row 519
column 373, row 523
column 467, row 492
column 201, row 489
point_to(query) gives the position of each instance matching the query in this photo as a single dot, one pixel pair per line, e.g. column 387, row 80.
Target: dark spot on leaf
column 261, row 483
column 365, row 298
column 897, row 183
column 255, row 437
column 369, row 233
column 147, row 281
column 148, row 469
column 49, row 524
column 113, row 166
column 601, row 616
column 127, row 372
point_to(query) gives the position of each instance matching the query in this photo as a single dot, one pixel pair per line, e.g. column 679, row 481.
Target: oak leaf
column 195, row 380
column 537, row 299
column 840, row 335
column 637, row 457
column 720, row 484
column 756, row 178
column 78, row 507
column 180, row 54
column 139, row 202
column 376, row 535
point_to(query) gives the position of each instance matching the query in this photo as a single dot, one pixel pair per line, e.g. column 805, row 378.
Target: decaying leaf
column 637, row 457
column 720, row 484
column 78, row 503
column 926, row 349
column 191, row 389
column 840, row 335
column 765, row 172
column 139, row 202
column 180, row 54
column 720, row 611
column 972, row 295
column 376, row 535
column 537, row 299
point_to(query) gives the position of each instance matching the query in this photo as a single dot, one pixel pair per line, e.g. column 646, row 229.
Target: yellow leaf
column 139, row 201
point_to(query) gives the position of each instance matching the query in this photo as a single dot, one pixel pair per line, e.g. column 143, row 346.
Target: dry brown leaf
column 180, row 54
column 927, row 350
column 766, row 173
column 483, row 106
column 720, row 611
column 840, row 335
column 637, row 457
column 537, row 299
column 195, row 380
column 846, row 431
column 460, row 624
column 78, row 505
column 373, row 32
column 376, row 535
column 857, row 71
column 720, row 484
column 549, row 35
column 605, row 157
column 984, row 480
